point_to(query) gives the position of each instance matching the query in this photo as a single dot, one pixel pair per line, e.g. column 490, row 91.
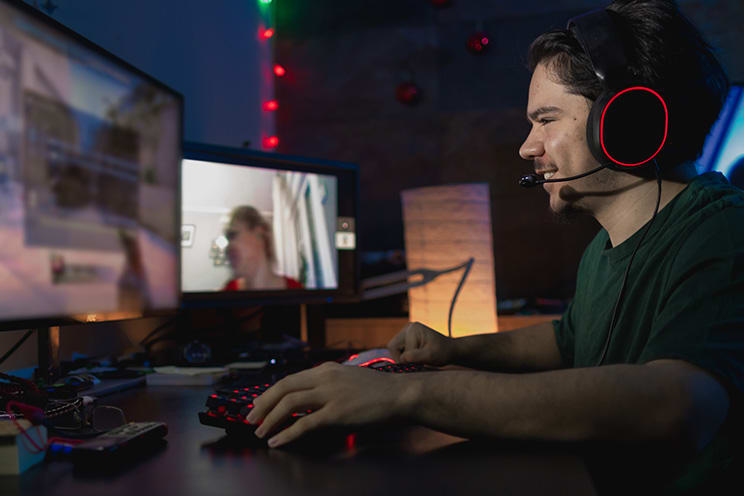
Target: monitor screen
column 90, row 153
column 724, row 148
column 264, row 224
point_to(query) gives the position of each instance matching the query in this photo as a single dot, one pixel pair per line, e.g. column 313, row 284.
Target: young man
column 672, row 361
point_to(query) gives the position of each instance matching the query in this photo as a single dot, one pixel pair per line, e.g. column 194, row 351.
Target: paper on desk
column 171, row 369
column 185, row 376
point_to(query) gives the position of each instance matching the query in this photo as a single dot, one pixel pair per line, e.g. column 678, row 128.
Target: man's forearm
column 618, row 402
column 530, row 348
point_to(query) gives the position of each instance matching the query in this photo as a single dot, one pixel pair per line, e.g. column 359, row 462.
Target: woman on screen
column 251, row 253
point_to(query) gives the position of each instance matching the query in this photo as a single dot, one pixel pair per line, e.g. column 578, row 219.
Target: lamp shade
column 445, row 226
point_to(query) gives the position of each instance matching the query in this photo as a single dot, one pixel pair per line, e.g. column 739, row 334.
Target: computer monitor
column 261, row 228
column 724, row 148
column 90, row 154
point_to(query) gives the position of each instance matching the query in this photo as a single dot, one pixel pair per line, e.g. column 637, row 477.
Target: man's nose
column 532, row 147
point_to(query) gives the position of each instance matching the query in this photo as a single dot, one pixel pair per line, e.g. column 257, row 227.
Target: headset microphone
column 531, row 180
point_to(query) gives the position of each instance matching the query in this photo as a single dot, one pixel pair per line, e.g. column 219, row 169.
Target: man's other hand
column 418, row 343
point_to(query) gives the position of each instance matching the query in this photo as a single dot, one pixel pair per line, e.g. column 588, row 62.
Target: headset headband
column 597, row 33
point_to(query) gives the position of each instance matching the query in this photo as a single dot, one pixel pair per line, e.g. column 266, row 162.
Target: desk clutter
column 40, row 421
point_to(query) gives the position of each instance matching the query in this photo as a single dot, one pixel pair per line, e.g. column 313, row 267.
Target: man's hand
column 336, row 394
column 420, row 344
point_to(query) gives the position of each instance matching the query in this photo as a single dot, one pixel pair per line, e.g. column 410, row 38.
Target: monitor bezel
column 253, row 158
column 67, row 319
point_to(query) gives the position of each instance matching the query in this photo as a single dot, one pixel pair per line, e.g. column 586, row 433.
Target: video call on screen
column 252, row 228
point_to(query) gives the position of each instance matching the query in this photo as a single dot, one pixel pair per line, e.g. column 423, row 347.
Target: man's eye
column 545, row 121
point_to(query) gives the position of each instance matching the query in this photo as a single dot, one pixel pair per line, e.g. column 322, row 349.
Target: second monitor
column 266, row 227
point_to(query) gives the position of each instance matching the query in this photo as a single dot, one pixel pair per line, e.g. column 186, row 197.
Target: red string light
column 271, row 105
column 267, row 33
column 279, row 70
column 271, row 142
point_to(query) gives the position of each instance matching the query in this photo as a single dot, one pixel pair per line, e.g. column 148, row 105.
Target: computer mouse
column 370, row 357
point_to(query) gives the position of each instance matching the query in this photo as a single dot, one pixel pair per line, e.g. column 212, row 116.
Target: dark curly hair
column 667, row 53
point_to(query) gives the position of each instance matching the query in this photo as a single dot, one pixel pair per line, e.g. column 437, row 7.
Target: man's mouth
column 548, row 175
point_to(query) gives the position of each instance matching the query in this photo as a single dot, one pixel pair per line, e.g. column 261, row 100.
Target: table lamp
column 444, row 227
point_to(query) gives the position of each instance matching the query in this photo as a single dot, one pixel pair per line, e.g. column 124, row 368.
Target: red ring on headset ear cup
column 628, row 128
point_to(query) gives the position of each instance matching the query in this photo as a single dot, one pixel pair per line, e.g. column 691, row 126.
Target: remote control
column 125, row 436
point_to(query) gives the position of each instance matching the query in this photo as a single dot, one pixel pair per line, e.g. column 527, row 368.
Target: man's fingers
column 303, row 425
column 412, row 338
column 413, row 356
column 268, row 400
column 291, row 403
column 397, row 344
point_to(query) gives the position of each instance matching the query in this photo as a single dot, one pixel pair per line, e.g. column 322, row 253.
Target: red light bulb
column 270, row 142
column 477, row 43
column 267, row 33
column 279, row 70
column 271, row 105
column 408, row 93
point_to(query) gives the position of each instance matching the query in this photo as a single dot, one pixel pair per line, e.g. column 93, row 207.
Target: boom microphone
column 531, row 180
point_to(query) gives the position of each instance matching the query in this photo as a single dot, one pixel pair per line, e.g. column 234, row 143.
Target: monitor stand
column 48, row 354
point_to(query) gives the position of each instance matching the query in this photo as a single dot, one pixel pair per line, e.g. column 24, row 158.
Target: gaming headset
column 627, row 124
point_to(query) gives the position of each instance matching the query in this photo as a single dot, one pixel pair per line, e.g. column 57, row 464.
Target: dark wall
column 345, row 61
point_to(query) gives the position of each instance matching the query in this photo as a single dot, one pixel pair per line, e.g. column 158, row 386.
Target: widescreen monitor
column 262, row 228
column 724, row 148
column 90, row 153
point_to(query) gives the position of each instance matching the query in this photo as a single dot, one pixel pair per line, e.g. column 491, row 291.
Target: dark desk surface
column 201, row 460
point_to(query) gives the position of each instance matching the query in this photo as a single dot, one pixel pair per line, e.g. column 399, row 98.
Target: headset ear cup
column 634, row 127
column 593, row 129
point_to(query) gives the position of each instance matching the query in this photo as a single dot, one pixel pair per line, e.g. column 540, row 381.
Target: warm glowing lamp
column 445, row 226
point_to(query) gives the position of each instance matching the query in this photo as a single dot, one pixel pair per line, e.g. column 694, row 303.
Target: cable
column 164, row 325
column 16, row 346
column 22, row 406
column 467, row 266
column 18, row 380
column 627, row 269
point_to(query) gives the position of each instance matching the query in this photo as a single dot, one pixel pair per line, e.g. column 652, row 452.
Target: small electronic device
column 120, row 439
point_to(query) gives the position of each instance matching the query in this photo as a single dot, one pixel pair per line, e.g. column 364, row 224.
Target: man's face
column 557, row 143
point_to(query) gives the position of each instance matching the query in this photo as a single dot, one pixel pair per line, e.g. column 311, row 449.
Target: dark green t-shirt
column 684, row 297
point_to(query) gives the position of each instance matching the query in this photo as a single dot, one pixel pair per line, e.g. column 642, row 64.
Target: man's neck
column 633, row 208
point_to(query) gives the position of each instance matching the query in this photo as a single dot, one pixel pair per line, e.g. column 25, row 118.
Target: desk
column 199, row 460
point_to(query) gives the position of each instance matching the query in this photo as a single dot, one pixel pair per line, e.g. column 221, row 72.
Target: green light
column 265, row 2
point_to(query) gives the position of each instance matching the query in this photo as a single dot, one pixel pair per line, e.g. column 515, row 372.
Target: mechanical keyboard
column 228, row 406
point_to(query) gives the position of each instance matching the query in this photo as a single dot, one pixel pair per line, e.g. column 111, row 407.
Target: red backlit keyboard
column 228, row 407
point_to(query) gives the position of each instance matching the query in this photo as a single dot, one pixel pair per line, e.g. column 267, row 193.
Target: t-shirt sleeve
column 700, row 318
column 564, row 335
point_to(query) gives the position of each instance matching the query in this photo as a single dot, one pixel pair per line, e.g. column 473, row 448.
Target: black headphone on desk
column 627, row 124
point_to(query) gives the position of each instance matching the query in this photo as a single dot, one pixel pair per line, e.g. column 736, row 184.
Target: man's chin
column 567, row 213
